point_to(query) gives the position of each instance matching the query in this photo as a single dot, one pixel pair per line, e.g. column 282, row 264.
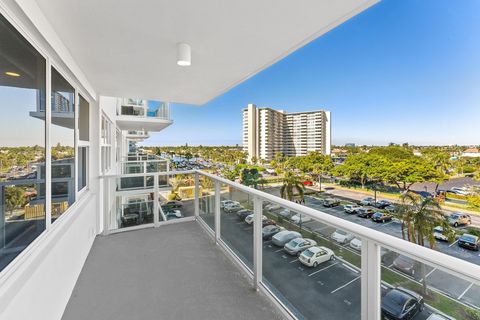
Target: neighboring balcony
column 63, row 113
column 137, row 135
column 357, row 273
column 135, row 114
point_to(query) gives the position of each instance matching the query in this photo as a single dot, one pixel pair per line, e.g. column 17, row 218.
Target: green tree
column 250, row 177
column 292, row 187
column 14, row 198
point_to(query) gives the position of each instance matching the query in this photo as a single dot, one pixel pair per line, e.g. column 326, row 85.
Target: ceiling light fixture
column 184, row 54
column 12, row 74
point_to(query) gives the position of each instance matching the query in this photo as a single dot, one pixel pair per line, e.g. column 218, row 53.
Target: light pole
column 375, row 192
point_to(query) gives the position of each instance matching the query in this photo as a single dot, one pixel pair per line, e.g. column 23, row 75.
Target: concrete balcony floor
column 173, row 272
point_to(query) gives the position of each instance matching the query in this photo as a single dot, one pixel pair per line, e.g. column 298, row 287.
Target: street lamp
column 375, row 192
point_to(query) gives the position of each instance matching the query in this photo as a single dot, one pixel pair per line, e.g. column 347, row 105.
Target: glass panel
column 83, row 119
column 134, row 210
column 177, row 201
column 207, row 201
column 82, row 167
column 414, row 290
column 63, row 144
column 22, row 143
column 133, row 183
column 236, row 206
column 312, row 267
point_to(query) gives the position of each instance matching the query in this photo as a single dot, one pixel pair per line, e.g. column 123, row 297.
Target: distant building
column 350, row 145
column 471, row 153
column 267, row 132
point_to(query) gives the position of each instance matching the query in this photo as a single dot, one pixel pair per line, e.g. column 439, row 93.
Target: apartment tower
column 267, row 132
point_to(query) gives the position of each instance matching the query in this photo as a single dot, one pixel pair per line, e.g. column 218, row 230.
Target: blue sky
column 402, row 71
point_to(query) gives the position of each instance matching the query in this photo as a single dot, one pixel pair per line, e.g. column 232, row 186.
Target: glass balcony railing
column 311, row 263
column 141, row 108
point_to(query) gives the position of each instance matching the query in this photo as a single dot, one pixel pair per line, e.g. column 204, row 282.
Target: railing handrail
column 448, row 263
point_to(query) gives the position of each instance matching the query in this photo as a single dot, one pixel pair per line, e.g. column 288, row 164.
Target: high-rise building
column 267, row 132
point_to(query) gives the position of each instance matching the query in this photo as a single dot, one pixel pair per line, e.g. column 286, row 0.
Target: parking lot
column 330, row 291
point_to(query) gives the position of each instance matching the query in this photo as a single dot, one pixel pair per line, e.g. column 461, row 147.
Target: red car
column 307, row 183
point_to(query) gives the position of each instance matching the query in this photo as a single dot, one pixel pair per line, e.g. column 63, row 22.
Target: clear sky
column 402, row 71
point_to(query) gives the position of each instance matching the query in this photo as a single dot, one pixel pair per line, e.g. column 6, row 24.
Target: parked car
column 243, row 213
column 282, row 237
column 469, row 241
column 314, row 256
column 269, row 231
column 233, row 208
column 285, row 213
column 300, row 218
column 458, row 219
column 268, row 222
column 382, row 204
column 272, row 207
column 365, row 212
column 439, row 234
column 341, row 236
column 224, row 203
column 381, row 217
column 351, row 208
column 391, row 208
column 406, row 265
column 356, row 244
column 331, row 202
column 369, row 201
column 297, row 245
column 249, row 218
column 173, row 204
column 171, row 214
column 308, row 183
column 459, row 191
column 401, row 304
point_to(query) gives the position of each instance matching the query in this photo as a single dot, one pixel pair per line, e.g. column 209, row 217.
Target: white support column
column 197, row 195
column 217, row 211
column 371, row 280
column 156, row 217
column 257, row 242
column 48, row 150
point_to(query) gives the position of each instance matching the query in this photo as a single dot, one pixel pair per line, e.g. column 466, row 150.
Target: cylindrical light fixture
column 184, row 54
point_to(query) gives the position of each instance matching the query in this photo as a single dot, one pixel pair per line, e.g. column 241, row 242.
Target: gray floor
column 173, row 272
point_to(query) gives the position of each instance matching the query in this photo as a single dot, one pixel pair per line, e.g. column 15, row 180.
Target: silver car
column 457, row 219
column 283, row 237
column 297, row 245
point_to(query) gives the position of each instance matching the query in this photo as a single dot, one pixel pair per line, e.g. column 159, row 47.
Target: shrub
column 472, row 314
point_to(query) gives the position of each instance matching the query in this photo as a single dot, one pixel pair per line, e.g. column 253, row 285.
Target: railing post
column 197, row 195
column 156, row 217
column 257, row 241
column 371, row 280
column 217, row 211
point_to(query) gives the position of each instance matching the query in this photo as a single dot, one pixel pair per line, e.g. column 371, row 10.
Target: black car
column 469, row 241
column 365, row 212
column 173, row 204
column 401, row 304
column 242, row 214
column 269, row 231
column 382, row 204
column 381, row 217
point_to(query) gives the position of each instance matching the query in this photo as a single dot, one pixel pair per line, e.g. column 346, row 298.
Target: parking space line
column 267, row 241
column 386, row 224
column 350, row 268
column 293, row 261
column 279, row 250
column 453, row 243
column 430, row 273
column 463, row 293
column 313, row 273
column 346, row 284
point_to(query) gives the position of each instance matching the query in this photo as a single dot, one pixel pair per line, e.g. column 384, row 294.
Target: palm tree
column 292, row 187
column 419, row 217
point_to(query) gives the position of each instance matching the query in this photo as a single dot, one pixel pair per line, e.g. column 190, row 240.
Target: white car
column 351, row 208
column 249, row 219
column 272, row 207
column 356, row 244
column 283, row 237
column 300, row 218
column 459, row 191
column 439, row 234
column 314, row 256
column 341, row 236
column 297, row 245
column 224, row 203
column 233, row 207
column 285, row 213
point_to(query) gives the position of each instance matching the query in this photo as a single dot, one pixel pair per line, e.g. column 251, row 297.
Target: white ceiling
column 128, row 48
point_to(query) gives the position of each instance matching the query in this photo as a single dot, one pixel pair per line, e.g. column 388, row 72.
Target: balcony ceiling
column 128, row 48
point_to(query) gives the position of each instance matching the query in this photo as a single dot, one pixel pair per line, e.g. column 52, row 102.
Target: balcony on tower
column 139, row 114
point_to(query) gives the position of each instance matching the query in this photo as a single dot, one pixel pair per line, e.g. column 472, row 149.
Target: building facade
column 267, row 132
